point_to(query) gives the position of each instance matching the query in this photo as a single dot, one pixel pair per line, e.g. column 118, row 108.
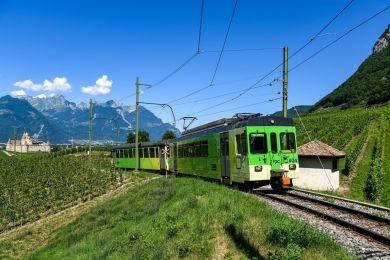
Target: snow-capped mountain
column 112, row 121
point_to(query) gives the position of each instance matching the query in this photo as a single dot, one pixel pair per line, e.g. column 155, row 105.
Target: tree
column 143, row 136
column 169, row 134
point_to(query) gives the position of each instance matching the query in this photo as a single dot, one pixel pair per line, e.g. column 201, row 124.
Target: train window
column 287, row 142
column 238, row 144
column 204, row 149
column 146, row 152
column 117, row 153
column 244, row 145
column 141, row 153
column 126, row 153
column 197, row 149
column 274, row 144
column 191, row 150
column 258, row 143
column 132, row 153
column 180, row 151
column 152, row 152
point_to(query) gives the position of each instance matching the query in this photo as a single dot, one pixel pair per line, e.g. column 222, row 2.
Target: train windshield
column 258, row 143
column 287, row 142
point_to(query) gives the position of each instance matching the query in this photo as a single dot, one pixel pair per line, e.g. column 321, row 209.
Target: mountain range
column 369, row 85
column 61, row 121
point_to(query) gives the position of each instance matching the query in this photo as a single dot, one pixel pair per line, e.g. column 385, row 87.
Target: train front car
column 272, row 154
column 246, row 150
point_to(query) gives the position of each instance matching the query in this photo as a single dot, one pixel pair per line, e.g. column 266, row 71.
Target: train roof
column 226, row 124
column 143, row 144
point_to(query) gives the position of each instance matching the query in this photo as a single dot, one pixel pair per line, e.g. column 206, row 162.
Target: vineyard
column 33, row 186
column 359, row 133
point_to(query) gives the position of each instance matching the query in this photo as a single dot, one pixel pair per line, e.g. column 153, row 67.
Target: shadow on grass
column 242, row 243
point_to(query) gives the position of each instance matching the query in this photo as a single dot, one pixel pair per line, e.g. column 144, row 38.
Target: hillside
column 363, row 133
column 302, row 109
column 369, row 85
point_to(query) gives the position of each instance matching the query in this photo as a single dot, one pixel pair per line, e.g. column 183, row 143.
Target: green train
column 247, row 149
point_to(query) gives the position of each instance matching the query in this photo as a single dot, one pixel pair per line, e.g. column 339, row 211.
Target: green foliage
column 345, row 130
column 169, row 134
column 185, row 218
column 302, row 109
column 143, row 136
column 374, row 185
column 33, row 186
column 369, row 85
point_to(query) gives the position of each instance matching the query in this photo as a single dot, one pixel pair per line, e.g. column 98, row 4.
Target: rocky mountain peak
column 383, row 41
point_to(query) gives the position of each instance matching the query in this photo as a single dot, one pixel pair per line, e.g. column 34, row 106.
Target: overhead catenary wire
column 187, row 61
column 200, row 25
column 339, row 38
column 274, row 69
column 249, row 105
column 224, row 43
column 218, row 61
column 322, row 29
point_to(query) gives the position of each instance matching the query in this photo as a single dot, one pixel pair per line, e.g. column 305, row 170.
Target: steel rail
column 351, row 210
column 364, row 231
column 344, row 199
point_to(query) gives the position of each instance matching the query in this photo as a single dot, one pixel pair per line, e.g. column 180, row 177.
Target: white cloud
column 28, row 84
column 18, row 93
column 57, row 85
column 102, row 86
column 41, row 96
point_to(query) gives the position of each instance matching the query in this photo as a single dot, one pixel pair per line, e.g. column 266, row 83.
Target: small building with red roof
column 319, row 166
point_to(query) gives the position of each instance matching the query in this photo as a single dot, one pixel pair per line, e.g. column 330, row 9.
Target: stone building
column 313, row 175
column 27, row 144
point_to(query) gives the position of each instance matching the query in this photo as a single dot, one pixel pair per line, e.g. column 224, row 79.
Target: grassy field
column 187, row 218
column 351, row 130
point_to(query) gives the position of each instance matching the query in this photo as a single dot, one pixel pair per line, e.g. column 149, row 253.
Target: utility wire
column 245, row 49
column 322, row 29
column 218, row 62
column 175, row 70
column 274, row 69
column 192, row 56
column 224, row 43
column 214, row 97
column 222, row 103
column 249, row 105
column 339, row 38
column 200, row 25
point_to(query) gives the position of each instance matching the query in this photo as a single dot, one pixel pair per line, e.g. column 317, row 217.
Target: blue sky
column 82, row 41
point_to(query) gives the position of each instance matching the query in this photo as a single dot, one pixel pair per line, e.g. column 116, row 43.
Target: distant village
column 27, row 144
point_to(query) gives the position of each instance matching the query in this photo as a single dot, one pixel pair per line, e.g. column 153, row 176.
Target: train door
column 274, row 152
column 224, row 145
column 174, row 152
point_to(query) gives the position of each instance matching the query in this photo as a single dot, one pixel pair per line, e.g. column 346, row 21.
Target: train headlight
column 258, row 168
column 292, row 166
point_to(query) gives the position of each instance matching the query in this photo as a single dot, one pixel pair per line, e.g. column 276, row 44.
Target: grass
column 385, row 199
column 187, row 218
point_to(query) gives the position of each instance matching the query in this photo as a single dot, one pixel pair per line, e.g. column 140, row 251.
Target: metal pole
column 136, row 124
column 90, row 125
column 285, row 78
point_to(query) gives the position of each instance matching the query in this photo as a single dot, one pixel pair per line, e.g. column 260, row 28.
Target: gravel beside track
column 369, row 208
column 356, row 243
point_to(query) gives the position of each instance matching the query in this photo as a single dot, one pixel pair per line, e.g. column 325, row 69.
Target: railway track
column 370, row 225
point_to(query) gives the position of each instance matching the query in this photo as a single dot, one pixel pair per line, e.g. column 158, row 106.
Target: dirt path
column 20, row 241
